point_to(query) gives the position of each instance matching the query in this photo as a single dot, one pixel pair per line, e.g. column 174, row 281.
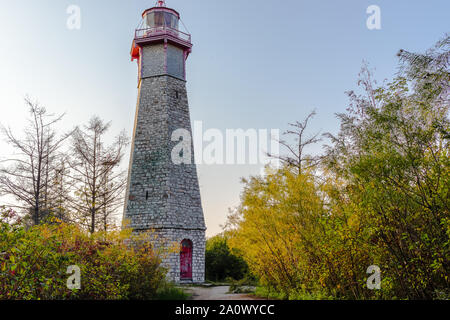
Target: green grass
column 263, row 292
column 170, row 292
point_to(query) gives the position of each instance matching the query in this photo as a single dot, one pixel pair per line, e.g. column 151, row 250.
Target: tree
column 28, row 177
column 296, row 156
column 273, row 227
column 60, row 188
column 382, row 198
column 223, row 262
column 291, row 233
column 96, row 174
column 393, row 154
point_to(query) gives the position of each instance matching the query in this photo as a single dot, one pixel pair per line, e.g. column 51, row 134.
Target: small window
column 146, row 195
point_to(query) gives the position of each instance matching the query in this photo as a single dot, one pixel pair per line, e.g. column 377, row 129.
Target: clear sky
column 255, row 64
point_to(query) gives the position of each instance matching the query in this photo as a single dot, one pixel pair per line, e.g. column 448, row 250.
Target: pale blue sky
column 256, row 64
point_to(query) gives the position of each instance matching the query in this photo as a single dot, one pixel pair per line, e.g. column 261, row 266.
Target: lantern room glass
column 159, row 19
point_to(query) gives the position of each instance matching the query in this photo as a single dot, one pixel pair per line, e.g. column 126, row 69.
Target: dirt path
column 216, row 293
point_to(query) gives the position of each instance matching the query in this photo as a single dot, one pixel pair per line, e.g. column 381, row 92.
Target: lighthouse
column 163, row 196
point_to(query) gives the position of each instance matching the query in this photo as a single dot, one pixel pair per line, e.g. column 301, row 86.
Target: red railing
column 158, row 31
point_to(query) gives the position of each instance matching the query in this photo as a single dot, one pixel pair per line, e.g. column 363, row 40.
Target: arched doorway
column 186, row 260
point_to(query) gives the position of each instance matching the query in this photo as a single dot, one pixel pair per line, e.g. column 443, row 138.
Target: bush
column 34, row 262
column 222, row 262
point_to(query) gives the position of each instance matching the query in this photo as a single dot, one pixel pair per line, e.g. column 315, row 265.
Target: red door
column 186, row 260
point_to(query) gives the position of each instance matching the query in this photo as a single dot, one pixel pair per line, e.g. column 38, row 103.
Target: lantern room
column 161, row 17
column 160, row 24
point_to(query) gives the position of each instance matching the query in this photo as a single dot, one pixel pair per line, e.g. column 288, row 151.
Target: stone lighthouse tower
column 162, row 195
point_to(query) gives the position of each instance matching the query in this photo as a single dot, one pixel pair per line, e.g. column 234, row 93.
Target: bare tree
column 296, row 156
column 99, row 182
column 27, row 175
column 59, row 189
column 111, row 193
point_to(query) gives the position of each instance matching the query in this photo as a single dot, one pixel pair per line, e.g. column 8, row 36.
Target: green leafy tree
column 382, row 197
column 393, row 154
column 223, row 262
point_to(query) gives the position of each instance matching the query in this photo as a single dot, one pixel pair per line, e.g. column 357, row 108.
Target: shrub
column 34, row 261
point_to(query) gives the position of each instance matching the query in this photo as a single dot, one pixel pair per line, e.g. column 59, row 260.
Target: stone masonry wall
column 172, row 260
column 160, row 59
column 161, row 195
